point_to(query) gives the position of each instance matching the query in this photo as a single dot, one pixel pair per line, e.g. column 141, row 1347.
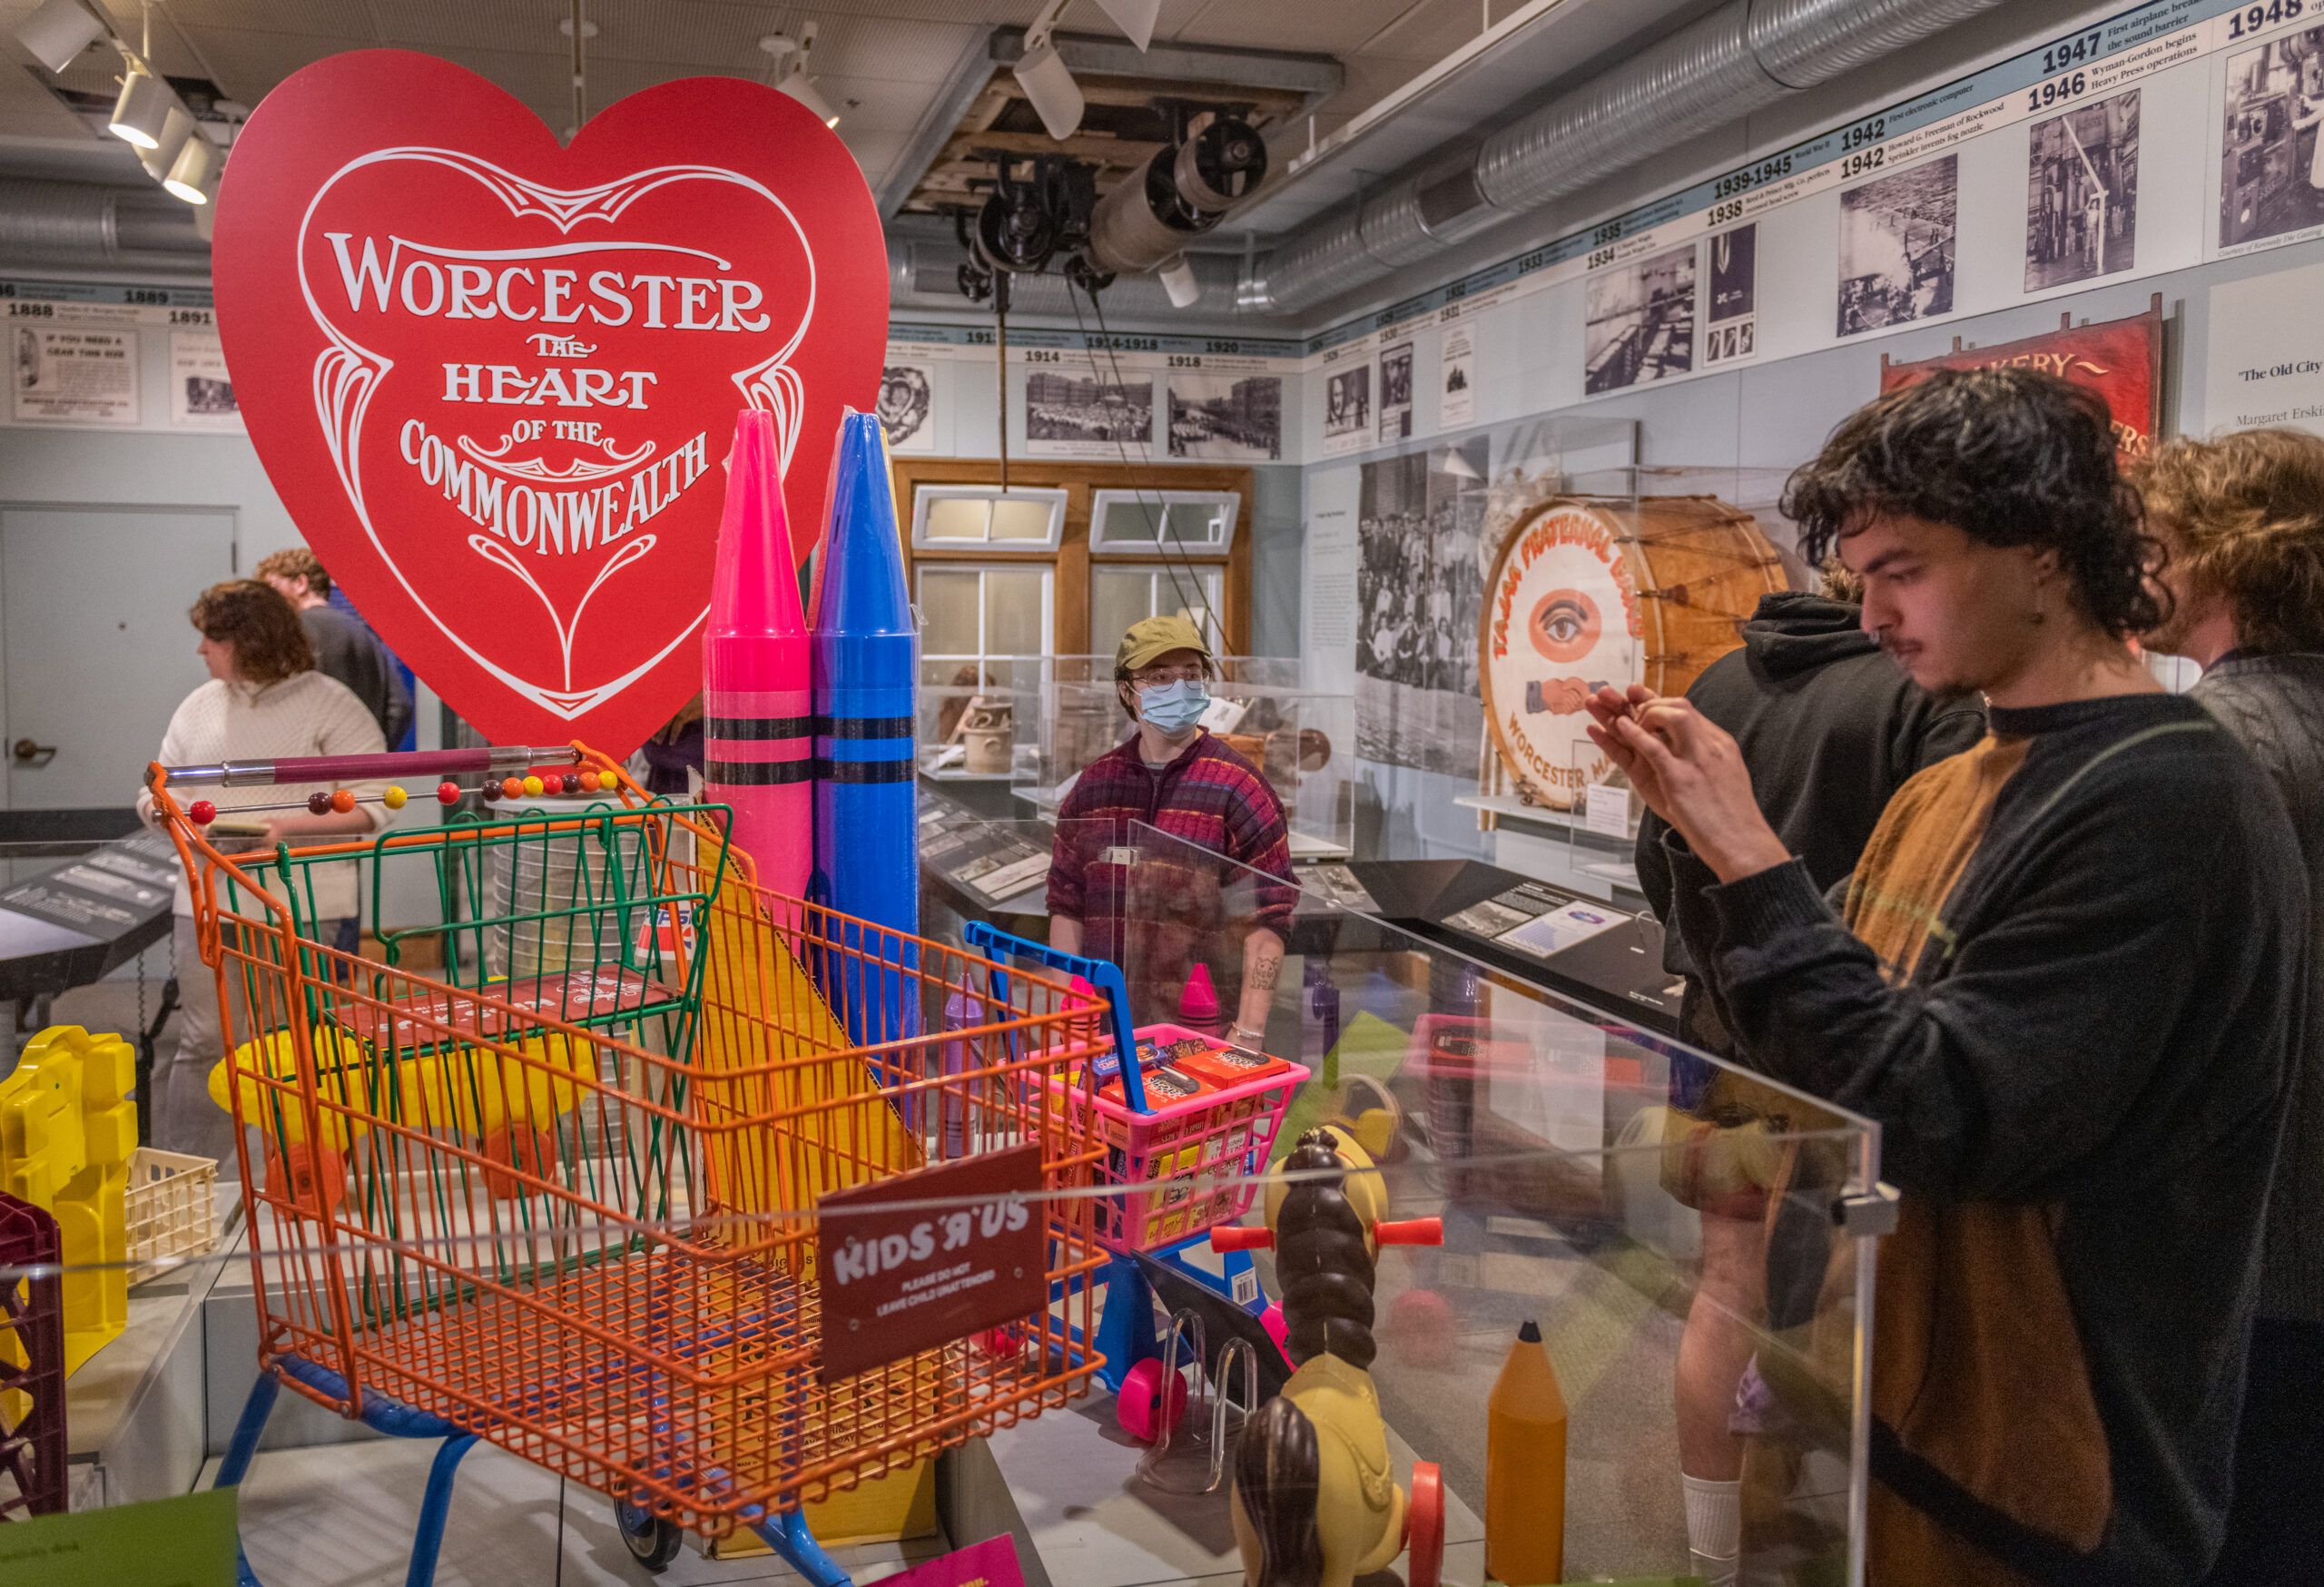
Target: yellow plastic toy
column 1314, row 1502
column 508, row 1103
column 68, row 1125
column 763, row 1014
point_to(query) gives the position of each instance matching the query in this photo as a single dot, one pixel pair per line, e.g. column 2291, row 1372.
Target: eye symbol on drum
column 1565, row 625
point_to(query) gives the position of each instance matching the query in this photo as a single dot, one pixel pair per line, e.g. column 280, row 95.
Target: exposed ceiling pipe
column 1741, row 57
column 58, row 224
column 926, row 275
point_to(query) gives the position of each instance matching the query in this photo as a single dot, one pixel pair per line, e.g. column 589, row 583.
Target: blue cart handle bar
column 1101, row 973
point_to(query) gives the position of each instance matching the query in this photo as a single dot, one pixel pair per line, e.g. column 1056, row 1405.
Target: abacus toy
column 515, row 771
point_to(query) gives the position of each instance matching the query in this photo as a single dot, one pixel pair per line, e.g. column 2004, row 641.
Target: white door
column 97, row 648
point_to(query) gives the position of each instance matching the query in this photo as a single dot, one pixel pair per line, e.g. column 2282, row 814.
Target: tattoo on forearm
column 1263, row 972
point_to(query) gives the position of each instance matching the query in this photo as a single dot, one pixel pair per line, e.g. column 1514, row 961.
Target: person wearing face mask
column 1173, row 774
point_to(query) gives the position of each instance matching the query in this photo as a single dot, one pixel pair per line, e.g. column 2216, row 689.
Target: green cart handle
column 1103, row 974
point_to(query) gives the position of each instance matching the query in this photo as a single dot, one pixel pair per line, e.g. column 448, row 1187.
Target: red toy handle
column 1412, row 1231
column 1242, row 1239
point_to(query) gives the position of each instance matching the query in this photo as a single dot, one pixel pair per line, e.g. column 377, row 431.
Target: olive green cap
column 1154, row 638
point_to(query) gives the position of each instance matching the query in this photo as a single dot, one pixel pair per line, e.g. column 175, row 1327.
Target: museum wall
column 1987, row 239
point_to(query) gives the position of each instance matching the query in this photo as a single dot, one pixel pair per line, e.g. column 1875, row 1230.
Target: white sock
column 1714, row 1526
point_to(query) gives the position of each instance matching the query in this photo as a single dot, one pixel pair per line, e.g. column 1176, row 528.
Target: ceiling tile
column 249, row 64
column 337, row 18
column 880, row 106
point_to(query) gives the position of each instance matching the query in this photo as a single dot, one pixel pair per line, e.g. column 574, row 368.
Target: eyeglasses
column 1156, row 676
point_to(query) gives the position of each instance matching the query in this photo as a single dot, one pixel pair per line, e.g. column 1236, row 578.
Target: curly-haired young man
column 2242, row 518
column 2060, row 978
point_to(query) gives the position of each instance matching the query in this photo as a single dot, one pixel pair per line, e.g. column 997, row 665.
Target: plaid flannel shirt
column 1208, row 796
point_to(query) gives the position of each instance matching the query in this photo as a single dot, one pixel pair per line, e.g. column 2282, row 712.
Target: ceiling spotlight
column 142, row 111
column 799, row 88
column 58, row 32
column 176, row 128
column 1042, row 75
column 1136, row 18
column 790, row 73
column 193, row 176
column 1177, row 279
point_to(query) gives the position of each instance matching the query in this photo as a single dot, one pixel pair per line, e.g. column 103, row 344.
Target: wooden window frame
column 1069, row 584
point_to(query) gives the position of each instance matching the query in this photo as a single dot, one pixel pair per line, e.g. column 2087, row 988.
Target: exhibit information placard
column 965, row 1251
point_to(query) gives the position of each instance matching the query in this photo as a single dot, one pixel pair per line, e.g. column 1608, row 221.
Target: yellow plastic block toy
column 68, row 1125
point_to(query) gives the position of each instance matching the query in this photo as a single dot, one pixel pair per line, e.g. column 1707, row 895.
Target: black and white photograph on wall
column 1732, row 326
column 1347, row 408
column 1226, row 419
column 1640, row 324
column 2271, row 164
column 1070, row 417
column 1420, row 582
column 2082, row 192
column 907, row 403
column 1456, row 397
column 201, row 394
column 1396, row 392
column 1896, row 246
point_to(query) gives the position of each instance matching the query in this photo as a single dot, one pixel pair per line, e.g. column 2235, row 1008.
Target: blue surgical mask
column 1175, row 708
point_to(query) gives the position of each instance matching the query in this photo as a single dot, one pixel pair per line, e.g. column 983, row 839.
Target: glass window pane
column 1194, row 593
column 1119, row 596
column 948, row 611
column 1131, row 523
column 1020, row 520
column 1196, row 523
column 958, row 517
column 1013, row 602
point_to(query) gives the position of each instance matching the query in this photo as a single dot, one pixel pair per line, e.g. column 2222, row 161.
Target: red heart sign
column 493, row 379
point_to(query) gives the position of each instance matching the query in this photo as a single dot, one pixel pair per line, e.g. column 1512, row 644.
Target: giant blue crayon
column 867, row 674
column 758, row 744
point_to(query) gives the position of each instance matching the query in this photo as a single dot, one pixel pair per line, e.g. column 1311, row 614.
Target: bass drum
column 1587, row 591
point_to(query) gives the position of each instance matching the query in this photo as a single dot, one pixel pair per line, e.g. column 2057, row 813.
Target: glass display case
column 1640, row 1201
column 1691, row 1244
column 1605, row 574
column 1302, row 740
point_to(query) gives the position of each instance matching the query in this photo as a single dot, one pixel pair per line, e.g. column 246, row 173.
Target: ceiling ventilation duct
column 925, row 274
column 1739, row 58
column 87, row 226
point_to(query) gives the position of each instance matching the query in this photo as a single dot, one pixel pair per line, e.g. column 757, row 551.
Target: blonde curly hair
column 2244, row 513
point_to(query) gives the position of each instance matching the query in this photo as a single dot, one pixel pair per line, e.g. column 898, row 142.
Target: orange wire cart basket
column 559, row 1190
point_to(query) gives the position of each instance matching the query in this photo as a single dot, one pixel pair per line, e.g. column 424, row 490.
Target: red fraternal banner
column 2121, row 360
column 494, row 380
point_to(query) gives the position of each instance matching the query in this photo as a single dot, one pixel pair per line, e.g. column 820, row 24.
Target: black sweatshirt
column 2074, row 1035
column 1830, row 728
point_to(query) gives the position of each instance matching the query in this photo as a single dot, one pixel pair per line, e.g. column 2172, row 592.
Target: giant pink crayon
column 758, row 708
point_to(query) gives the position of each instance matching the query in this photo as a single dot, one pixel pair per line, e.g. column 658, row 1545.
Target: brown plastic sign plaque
column 911, row 1262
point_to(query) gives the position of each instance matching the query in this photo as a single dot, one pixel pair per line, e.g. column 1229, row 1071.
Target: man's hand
column 1690, row 774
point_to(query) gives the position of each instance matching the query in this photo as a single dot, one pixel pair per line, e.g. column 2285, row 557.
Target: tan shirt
column 304, row 714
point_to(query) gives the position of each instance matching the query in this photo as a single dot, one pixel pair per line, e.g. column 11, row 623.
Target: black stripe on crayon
column 865, row 770
column 758, row 727
column 864, row 727
column 757, row 773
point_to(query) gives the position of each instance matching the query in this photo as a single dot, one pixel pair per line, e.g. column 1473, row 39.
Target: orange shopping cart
column 548, row 1175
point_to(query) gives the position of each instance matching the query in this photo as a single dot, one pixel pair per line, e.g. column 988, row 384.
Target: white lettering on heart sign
column 474, row 292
